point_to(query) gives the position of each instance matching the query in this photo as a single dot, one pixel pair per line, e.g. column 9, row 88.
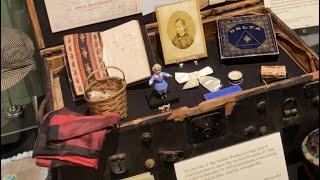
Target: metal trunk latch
column 171, row 156
column 118, row 163
column 311, row 91
column 206, row 127
column 290, row 113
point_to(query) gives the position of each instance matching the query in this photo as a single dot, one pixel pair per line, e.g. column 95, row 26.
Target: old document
column 68, row 14
column 296, row 13
column 123, row 47
column 148, row 6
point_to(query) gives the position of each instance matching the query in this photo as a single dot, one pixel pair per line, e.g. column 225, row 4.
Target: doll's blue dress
column 159, row 83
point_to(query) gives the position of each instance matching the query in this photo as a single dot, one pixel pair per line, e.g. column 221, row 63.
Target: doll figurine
column 160, row 85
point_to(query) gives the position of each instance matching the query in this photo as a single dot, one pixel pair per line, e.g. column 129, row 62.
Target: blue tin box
column 247, row 39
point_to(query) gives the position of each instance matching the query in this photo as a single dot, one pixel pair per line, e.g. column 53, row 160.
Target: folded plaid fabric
column 69, row 138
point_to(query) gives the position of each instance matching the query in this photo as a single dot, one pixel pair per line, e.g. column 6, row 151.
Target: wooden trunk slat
column 35, row 23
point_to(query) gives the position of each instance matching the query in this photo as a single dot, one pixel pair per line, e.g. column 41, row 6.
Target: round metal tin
column 235, row 77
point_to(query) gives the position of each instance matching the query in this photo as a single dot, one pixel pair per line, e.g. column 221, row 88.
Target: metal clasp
column 290, row 113
column 171, row 156
column 118, row 163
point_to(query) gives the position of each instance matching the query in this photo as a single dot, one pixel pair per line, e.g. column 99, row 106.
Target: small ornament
column 165, row 108
column 160, row 85
column 181, row 65
column 196, row 62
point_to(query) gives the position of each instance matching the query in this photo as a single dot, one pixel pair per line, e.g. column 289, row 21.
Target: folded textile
column 84, row 52
column 194, row 78
column 68, row 138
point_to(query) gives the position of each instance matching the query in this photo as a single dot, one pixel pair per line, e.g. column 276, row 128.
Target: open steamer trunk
column 173, row 131
column 296, row 63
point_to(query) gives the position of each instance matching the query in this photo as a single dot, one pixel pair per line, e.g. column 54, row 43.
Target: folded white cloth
column 194, row 78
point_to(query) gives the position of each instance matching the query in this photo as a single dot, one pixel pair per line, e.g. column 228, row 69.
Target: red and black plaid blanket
column 69, row 138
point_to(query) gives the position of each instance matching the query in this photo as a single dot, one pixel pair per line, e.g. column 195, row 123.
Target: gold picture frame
column 181, row 32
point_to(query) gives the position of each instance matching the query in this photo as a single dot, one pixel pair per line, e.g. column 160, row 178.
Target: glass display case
column 311, row 36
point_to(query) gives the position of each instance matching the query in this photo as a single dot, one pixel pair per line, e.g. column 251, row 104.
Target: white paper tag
column 258, row 159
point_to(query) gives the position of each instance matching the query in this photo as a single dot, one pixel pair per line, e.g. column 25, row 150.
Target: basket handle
column 86, row 85
column 105, row 68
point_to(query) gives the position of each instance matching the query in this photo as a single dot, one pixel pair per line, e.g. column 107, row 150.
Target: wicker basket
column 115, row 87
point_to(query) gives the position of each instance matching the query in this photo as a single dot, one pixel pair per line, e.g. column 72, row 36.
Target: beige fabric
column 24, row 169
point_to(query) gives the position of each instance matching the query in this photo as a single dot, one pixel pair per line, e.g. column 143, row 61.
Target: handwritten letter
column 68, row 14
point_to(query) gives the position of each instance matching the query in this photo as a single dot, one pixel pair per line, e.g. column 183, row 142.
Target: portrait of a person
column 182, row 39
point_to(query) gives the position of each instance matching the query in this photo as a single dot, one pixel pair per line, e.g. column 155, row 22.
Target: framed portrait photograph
column 181, row 32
